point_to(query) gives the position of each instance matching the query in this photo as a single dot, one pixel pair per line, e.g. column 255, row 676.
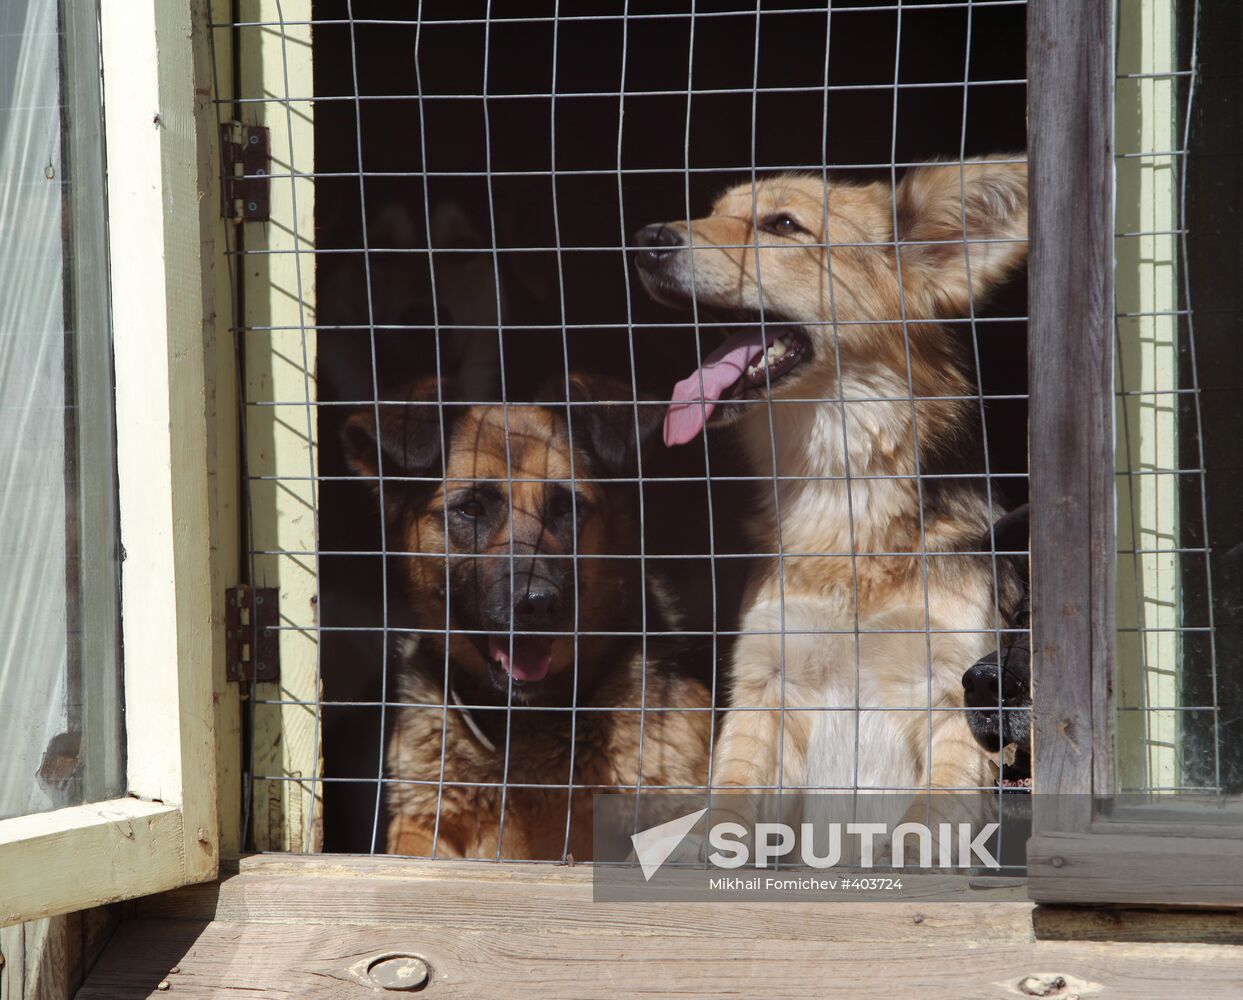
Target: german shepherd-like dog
column 506, row 536
column 852, row 644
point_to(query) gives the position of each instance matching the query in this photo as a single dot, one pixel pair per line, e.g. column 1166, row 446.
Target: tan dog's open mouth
column 746, row 365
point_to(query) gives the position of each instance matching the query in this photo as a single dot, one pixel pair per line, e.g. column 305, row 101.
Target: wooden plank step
column 536, row 899
column 288, row 926
column 226, row 958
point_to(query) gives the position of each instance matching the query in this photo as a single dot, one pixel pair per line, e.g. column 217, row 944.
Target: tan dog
column 851, row 618
column 511, row 553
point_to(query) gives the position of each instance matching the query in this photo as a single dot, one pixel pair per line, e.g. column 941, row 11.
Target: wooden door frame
column 1082, row 850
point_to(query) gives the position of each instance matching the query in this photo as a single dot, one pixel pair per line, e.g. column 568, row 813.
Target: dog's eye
column 563, row 503
column 781, row 225
column 470, row 506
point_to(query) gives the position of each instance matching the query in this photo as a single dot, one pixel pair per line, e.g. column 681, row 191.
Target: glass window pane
column 61, row 739
column 1179, row 371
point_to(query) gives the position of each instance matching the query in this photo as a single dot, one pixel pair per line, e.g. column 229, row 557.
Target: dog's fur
column 484, row 601
column 848, row 311
column 997, row 687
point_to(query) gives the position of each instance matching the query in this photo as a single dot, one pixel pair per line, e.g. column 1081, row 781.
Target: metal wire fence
column 518, row 594
column 1177, row 693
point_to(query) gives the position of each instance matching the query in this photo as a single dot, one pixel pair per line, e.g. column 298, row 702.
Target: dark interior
column 480, row 177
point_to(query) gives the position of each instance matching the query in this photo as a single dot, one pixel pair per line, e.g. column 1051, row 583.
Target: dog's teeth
column 776, row 350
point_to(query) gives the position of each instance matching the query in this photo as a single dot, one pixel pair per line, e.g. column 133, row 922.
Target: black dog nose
column 656, row 243
column 537, row 607
column 980, row 684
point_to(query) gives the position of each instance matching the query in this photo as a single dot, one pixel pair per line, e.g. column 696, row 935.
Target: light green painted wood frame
column 273, row 60
column 176, row 458
column 1147, row 277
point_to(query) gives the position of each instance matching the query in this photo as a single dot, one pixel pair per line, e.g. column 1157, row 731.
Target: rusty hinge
column 244, row 187
column 251, row 617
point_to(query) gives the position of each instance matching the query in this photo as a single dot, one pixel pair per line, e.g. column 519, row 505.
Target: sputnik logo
column 654, row 845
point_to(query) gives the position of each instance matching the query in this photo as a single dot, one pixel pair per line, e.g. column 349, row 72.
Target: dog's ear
column 409, row 434
column 939, row 206
column 608, row 421
column 1010, row 531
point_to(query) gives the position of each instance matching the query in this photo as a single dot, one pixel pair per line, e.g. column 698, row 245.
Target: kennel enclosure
column 237, row 356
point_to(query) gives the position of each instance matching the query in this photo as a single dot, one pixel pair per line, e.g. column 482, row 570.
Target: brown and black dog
column 520, row 610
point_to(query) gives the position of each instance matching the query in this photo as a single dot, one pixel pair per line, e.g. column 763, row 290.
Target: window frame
column 172, row 442
column 1079, row 851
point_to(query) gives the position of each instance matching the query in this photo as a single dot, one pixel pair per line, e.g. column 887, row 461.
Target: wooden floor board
column 537, row 899
column 224, row 959
column 309, row 928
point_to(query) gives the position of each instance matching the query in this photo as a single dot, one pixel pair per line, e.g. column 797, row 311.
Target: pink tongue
column 694, row 397
column 532, row 655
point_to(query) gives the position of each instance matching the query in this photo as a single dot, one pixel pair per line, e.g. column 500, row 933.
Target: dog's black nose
column 537, row 607
column 656, row 243
column 980, row 684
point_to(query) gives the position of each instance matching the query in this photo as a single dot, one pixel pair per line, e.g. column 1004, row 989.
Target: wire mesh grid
column 1177, row 693
column 509, row 592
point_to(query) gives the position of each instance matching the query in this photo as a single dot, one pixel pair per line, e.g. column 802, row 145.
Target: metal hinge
column 251, row 617
column 245, row 186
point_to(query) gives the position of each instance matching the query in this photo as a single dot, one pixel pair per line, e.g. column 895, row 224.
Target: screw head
column 1042, row 986
column 1057, row 862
